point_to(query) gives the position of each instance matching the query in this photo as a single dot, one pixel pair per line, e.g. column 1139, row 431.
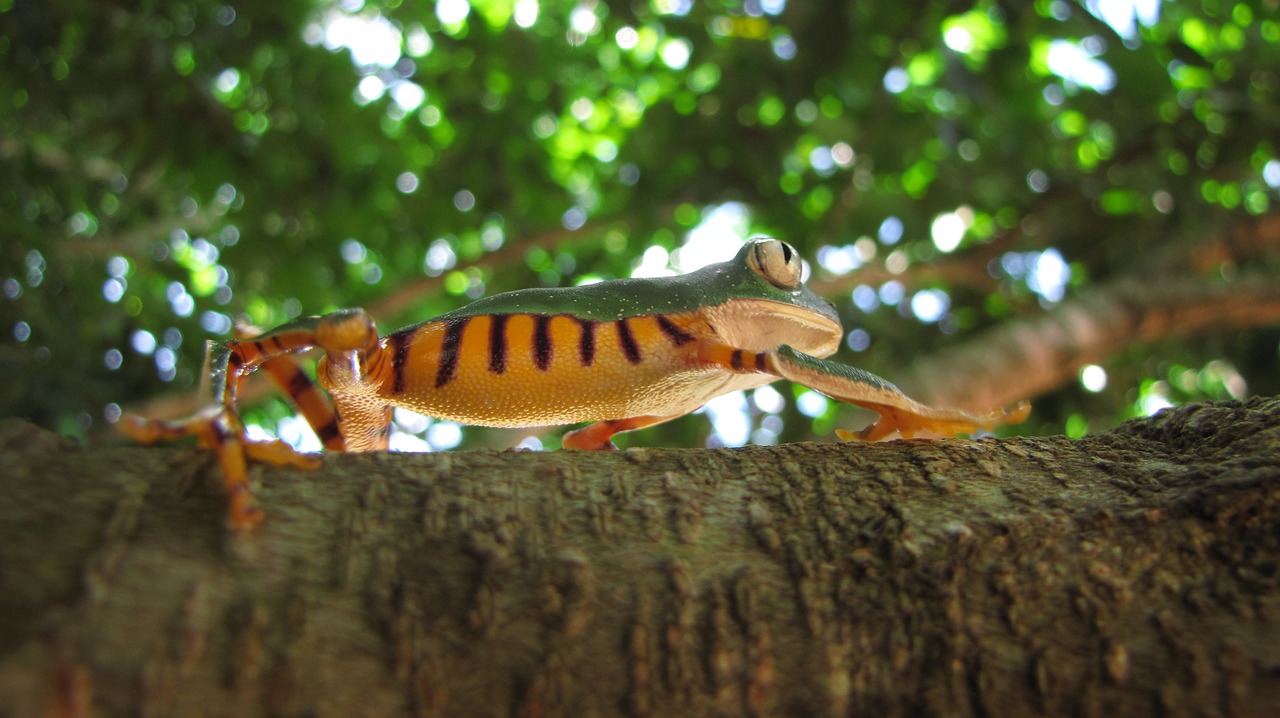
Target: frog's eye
column 777, row 262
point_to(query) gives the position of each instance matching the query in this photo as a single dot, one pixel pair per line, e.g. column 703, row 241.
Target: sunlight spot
column 1093, row 378
column 573, row 218
column 1271, row 173
column 673, row 7
column 370, row 89
column 143, row 341
column 958, row 38
column 676, row 52
column 296, row 432
column 897, row 80
column 729, row 420
column 352, row 251
column 583, row 19
column 418, row 43
column 812, row 404
column 822, row 160
column 444, row 435
column 166, row 361
column 717, row 237
column 843, row 154
column 440, row 257
column 407, row 182
column 784, row 46
column 948, row 230
column 653, row 263
column 407, row 441
column 865, row 297
column 408, row 95
column 371, row 39
column 452, row 12
column 1123, row 16
column 606, row 150
column 892, row 292
column 526, row 13
column 858, row 340
column 768, row 400
column 1079, row 66
column 930, row 304
column 890, row 230
column 582, row 109
column 255, row 432
column 529, row 443
column 839, row 260
column 897, row 262
column 1152, row 403
column 1038, row 181
column 227, row 80
column 627, row 38
column 1049, row 275
column 113, row 289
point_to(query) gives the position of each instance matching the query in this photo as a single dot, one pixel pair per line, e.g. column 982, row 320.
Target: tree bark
column 1134, row 572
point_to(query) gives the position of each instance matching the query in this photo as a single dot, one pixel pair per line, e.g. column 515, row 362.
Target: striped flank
column 449, row 350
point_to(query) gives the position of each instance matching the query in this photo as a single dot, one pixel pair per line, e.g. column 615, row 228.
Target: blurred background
column 1071, row 202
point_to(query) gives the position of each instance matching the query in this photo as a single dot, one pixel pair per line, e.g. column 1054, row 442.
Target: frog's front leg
column 898, row 412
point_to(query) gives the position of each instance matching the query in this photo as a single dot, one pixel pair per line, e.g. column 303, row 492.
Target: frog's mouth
column 762, row 324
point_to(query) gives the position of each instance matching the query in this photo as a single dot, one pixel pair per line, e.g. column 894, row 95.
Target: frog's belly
column 550, row 374
column 571, row 396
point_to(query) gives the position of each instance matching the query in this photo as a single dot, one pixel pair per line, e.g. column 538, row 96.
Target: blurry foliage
column 166, row 166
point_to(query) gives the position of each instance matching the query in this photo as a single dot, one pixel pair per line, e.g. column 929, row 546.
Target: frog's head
column 761, row 302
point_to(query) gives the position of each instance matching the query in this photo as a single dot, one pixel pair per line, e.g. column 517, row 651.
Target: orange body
column 535, row 370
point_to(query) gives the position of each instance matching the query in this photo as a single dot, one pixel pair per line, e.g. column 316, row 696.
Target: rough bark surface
column 1131, row 573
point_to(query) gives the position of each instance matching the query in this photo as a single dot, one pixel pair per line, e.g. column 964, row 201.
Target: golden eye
column 777, row 262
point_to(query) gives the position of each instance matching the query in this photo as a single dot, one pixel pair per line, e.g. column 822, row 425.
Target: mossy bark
column 1135, row 572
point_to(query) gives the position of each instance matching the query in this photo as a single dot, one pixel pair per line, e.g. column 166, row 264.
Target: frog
column 624, row 354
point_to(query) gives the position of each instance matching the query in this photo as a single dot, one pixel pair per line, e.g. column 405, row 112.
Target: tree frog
column 625, row 354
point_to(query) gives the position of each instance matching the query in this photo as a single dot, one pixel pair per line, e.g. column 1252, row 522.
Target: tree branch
column 1129, row 573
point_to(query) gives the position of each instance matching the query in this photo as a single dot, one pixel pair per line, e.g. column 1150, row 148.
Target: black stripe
column 275, row 339
column 329, row 431
column 261, row 349
column 449, row 350
column 498, row 343
column 678, row 336
column 759, row 361
column 629, row 347
column 736, row 359
column 587, row 342
column 542, row 342
column 399, row 343
column 299, row 383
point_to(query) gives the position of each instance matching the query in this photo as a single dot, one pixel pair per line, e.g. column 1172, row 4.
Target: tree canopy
column 1091, row 186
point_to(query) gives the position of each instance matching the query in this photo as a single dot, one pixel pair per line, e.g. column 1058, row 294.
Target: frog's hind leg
column 599, row 436
column 310, row 401
column 217, row 426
